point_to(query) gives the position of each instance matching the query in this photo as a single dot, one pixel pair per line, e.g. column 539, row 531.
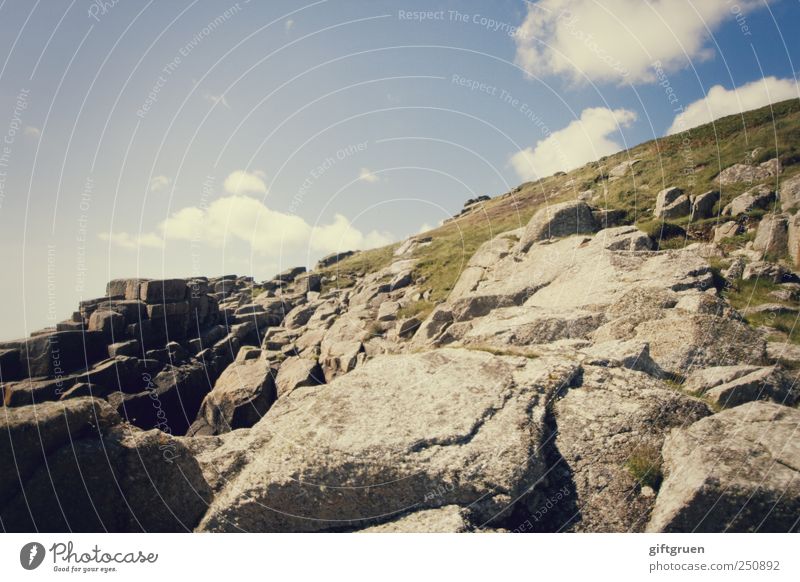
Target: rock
column 388, row 310
column 241, row 395
column 761, row 384
column 163, row 291
column 405, row 328
column 671, row 203
column 126, row 348
column 793, row 239
column 296, row 372
column 300, row 315
column 767, row 271
column 703, row 379
column 57, row 353
column 289, row 275
column 632, row 355
column 308, row 283
column 736, row 471
column 558, row 220
column 758, row 197
column 747, row 173
column 726, row 230
column 783, row 351
column 790, row 193
column 703, row 204
column 607, row 426
column 622, row 168
column 332, row 259
column 457, row 428
column 109, row 323
column 171, row 399
column 448, row 519
column 83, row 471
column 772, row 235
column 10, row 368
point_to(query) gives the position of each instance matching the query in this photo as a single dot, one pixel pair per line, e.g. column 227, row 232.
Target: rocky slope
column 580, row 374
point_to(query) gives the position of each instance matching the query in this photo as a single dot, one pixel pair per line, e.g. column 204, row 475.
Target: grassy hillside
column 691, row 161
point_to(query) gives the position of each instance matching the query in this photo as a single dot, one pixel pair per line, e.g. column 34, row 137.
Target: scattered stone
column 671, row 203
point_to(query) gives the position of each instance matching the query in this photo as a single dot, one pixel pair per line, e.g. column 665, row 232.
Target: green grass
column 743, row 294
column 644, row 464
column 418, row 309
column 348, row 270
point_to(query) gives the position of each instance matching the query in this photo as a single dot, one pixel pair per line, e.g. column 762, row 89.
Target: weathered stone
column 126, row 348
column 671, row 203
column 703, row 204
column 82, row 471
column 163, row 291
column 448, row 519
column 793, row 239
column 747, row 173
column 242, row 394
column 761, row 384
column 289, row 275
column 109, row 323
column 457, row 427
column 736, row 471
column 558, row 220
column 333, row 258
column 57, row 353
column 772, row 235
column 758, row 197
column 610, row 421
column 726, row 230
column 296, row 372
column 790, row 193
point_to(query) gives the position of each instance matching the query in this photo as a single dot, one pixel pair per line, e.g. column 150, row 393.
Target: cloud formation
column 582, row 141
column 242, row 182
column 159, row 183
column 133, row 241
column 367, row 176
column 720, row 101
column 619, row 40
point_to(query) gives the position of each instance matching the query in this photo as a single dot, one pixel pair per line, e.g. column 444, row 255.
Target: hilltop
column 609, row 349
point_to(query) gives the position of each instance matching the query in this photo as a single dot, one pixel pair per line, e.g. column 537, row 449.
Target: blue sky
column 193, row 137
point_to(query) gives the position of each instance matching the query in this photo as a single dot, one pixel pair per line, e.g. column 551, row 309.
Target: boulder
column 110, row 323
column 766, row 383
column 772, row 236
column 671, row 203
column 333, row 258
column 242, row 394
column 58, row 353
column 609, row 430
column 297, row 372
column 758, row 197
column 289, row 275
column 736, row 471
column 457, row 427
column 447, row 519
column 703, row 204
column 10, row 368
column 81, row 470
column 790, row 193
column 793, row 239
column 726, row 230
column 164, row 291
column 749, row 173
column 558, row 220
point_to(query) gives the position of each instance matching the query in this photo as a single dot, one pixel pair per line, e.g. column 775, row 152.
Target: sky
column 189, row 137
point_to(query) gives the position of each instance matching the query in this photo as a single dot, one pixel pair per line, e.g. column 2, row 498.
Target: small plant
column 644, row 464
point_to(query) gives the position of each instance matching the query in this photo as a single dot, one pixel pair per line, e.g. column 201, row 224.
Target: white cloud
column 242, row 182
column 619, row 40
column 582, row 141
column 424, row 228
column 159, row 183
column 720, row 101
column 289, row 25
column 32, row 131
column 367, row 176
column 268, row 232
column 133, row 241
column 217, row 99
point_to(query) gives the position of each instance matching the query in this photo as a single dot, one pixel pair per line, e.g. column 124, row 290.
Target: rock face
column 672, row 203
column 749, row 173
column 456, row 428
column 731, row 472
column 80, row 469
column 241, row 396
column 559, row 220
column 790, row 193
column 758, row 197
column 773, row 235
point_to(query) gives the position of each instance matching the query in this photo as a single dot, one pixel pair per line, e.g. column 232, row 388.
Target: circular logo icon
column 31, row 555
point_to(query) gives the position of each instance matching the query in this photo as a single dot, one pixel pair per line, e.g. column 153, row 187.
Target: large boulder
column 557, row 220
column 749, row 173
column 57, row 353
column 759, row 197
column 703, row 204
column 790, row 193
column 456, row 427
column 793, row 239
column 772, row 236
column 610, row 428
column 242, row 394
column 78, row 468
column 672, row 203
column 164, row 290
column 297, row 372
column 736, row 471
